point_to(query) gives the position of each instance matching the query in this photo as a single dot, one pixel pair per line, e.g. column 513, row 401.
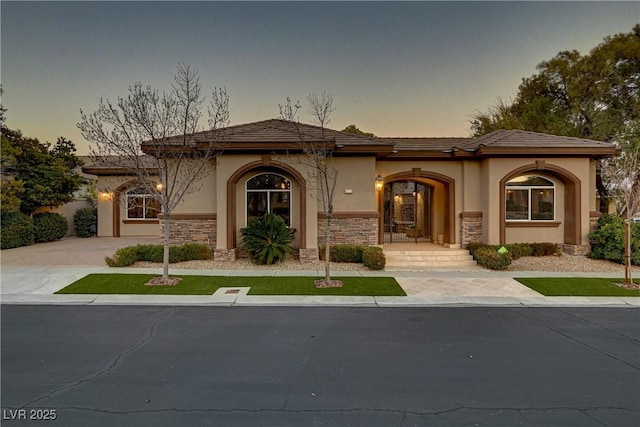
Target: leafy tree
column 354, row 129
column 12, row 187
column 595, row 96
column 36, row 175
column 162, row 126
column 3, row 110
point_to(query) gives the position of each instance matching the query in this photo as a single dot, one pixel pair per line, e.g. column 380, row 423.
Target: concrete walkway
column 31, row 275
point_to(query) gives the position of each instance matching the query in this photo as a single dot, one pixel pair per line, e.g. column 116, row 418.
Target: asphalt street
column 319, row 366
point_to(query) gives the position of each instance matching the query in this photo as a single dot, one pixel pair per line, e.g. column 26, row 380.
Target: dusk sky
column 394, row 69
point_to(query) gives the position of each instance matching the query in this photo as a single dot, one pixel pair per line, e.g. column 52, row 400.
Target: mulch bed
column 159, row 281
column 330, row 284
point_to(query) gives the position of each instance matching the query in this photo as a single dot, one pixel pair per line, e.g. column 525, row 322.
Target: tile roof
column 281, row 131
column 430, row 144
column 279, row 135
column 521, row 138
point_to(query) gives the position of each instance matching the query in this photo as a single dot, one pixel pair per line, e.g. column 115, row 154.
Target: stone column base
column 222, row 254
column 308, row 255
column 470, row 227
column 576, row 249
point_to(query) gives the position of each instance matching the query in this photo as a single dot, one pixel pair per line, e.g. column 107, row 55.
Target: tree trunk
column 627, row 252
column 165, row 254
column 327, row 249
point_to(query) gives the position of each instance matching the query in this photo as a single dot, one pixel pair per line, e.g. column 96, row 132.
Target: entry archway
column 266, row 164
column 445, row 206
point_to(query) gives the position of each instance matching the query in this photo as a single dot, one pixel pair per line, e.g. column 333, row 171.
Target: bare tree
column 152, row 136
column 623, row 175
column 318, row 155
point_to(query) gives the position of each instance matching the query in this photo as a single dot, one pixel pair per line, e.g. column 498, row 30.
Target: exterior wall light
column 379, row 183
column 159, row 186
column 106, row 195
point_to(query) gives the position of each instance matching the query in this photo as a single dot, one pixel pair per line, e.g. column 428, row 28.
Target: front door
column 407, row 212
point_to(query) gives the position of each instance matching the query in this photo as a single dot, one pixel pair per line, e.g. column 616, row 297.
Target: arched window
column 142, row 205
column 269, row 192
column 530, row 198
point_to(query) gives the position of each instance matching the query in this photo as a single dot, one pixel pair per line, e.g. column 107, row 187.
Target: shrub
column 17, row 230
column 544, row 249
column 373, row 258
column 154, row 253
column 267, row 240
column 85, row 222
column 123, row 257
column 608, row 240
column 187, row 252
column 472, row 247
column 151, row 253
column 491, row 259
column 49, row 226
column 343, row 253
column 518, row 250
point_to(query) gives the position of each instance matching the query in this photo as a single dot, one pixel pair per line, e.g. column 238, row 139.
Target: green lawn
column 206, row 285
column 578, row 286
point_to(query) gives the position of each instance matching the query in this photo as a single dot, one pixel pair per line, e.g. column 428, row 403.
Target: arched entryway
column 417, row 206
column 264, row 168
column 408, row 212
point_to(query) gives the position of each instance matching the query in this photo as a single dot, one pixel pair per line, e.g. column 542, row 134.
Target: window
column 530, row 198
column 141, row 205
column 269, row 192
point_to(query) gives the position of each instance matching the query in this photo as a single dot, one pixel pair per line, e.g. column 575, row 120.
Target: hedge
column 488, row 256
column 375, row 259
column 17, row 230
column 607, row 241
column 49, row 226
column 85, row 222
column 154, row 253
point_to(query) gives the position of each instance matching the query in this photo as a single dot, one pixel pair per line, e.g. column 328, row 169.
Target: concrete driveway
column 45, row 268
column 70, row 251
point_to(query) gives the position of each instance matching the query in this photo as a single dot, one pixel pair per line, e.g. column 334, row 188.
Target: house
column 504, row 187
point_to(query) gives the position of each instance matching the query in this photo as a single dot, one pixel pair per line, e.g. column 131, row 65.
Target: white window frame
column 144, row 197
column 529, row 189
column 268, row 191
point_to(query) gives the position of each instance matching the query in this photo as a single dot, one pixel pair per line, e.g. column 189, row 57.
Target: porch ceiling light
column 379, row 183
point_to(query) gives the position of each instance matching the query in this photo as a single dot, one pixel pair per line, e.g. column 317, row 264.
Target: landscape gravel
column 566, row 262
column 559, row 263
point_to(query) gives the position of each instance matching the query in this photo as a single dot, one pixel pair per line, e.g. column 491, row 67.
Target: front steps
column 428, row 259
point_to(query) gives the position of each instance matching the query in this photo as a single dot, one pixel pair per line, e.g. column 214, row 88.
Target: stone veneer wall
column 191, row 230
column 470, row 228
column 349, row 230
column 223, row 254
column 308, row 255
column 593, row 220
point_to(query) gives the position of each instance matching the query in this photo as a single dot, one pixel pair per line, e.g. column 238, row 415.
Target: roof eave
column 595, row 152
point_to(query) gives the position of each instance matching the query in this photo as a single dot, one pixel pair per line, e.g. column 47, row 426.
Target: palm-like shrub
column 267, row 240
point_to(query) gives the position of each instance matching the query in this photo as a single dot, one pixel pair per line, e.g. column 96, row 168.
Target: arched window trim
column 532, row 199
column 268, row 198
column 145, row 203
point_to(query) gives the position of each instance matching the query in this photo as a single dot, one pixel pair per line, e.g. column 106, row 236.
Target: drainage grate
column 232, row 291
